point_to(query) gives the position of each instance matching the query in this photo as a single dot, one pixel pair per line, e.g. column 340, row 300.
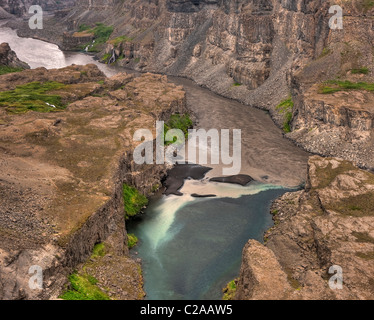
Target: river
column 191, row 247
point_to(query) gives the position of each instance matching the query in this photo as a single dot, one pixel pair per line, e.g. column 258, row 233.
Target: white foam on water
column 224, row 190
column 157, row 230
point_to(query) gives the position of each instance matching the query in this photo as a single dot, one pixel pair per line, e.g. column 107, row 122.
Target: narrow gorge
column 274, row 69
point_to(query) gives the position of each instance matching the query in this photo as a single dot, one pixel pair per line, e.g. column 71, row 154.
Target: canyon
column 262, row 54
column 62, row 173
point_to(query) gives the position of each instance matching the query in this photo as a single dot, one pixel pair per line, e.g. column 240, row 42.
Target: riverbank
column 322, row 245
column 67, row 167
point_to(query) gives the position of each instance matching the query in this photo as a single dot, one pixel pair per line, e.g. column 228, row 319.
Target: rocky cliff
column 63, row 163
column 8, row 58
column 258, row 52
column 329, row 223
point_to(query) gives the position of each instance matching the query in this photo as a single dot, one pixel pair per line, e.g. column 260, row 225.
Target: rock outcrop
column 62, row 175
column 329, row 223
column 9, row 58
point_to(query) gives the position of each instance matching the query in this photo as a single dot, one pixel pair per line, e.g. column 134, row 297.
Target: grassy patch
column 32, row 96
column 363, row 237
column 177, row 121
column 365, row 256
column 6, row 69
column 134, row 201
column 328, row 174
column 132, row 240
column 118, row 40
column 355, row 206
column 286, row 108
column 106, row 57
column 363, row 70
column 98, row 251
column 101, row 33
column 230, row 290
column 83, row 288
column 236, row 84
column 83, row 27
column 333, row 86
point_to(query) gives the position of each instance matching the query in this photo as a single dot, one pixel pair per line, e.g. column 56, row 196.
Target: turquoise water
column 191, row 247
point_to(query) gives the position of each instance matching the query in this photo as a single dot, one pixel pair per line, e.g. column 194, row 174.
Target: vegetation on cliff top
column 285, row 108
column 84, row 287
column 118, row 40
column 32, row 96
column 362, row 70
column 177, row 121
column 6, row 69
column 134, row 201
column 230, row 290
column 333, row 86
column 101, row 33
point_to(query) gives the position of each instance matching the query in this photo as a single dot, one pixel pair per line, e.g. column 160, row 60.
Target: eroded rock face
column 21, row 7
column 329, row 223
column 9, row 58
column 61, row 176
column 338, row 123
column 242, row 49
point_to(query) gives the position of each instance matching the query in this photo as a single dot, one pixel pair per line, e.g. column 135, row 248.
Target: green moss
column 83, row 27
column 236, row 84
column 132, row 240
column 32, row 96
column 363, row 70
column 101, row 33
column 286, row 108
column 155, row 187
column 83, row 288
column 177, row 121
column 106, row 57
column 6, row 69
column 134, row 201
column 230, row 290
column 98, row 251
column 333, row 86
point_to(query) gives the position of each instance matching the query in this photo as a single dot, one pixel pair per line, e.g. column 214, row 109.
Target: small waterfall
column 113, row 57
